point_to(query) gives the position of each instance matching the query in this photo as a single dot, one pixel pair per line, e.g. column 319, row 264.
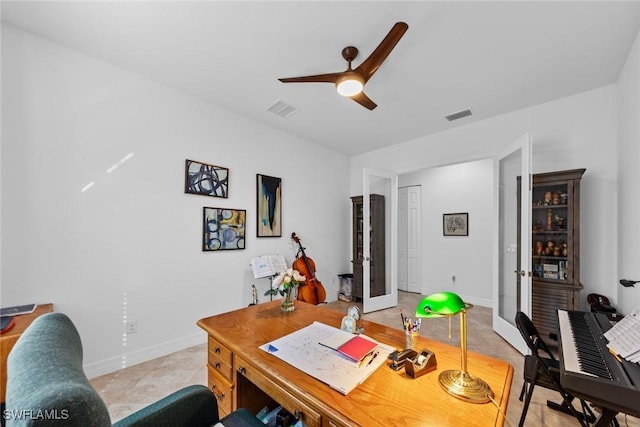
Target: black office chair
column 545, row 372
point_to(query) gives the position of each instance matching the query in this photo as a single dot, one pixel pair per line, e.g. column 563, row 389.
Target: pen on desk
column 365, row 360
column 372, row 357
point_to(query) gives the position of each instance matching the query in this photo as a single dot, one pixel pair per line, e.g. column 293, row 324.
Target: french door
column 512, row 269
column 386, row 184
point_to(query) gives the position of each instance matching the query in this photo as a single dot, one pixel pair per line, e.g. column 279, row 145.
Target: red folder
column 357, row 348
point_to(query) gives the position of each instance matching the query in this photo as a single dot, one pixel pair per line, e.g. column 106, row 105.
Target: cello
column 312, row 291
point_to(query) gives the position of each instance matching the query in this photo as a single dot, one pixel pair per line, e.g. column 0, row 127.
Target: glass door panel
column 512, row 272
column 380, row 240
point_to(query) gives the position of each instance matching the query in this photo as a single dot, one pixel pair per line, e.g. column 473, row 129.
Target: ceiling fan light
column 349, row 86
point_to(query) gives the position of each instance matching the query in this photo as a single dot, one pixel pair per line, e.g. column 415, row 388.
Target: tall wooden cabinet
column 555, row 240
column 376, row 211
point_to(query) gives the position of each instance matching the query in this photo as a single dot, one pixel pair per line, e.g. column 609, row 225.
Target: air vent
column 458, row 115
column 282, row 109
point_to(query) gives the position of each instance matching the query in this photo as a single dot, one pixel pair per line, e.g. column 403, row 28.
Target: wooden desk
column 242, row 375
column 9, row 338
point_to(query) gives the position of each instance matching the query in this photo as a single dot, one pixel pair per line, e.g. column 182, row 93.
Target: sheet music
column 302, row 349
column 624, row 337
column 268, row 265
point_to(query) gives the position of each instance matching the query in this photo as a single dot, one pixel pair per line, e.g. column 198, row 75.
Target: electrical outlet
column 132, row 327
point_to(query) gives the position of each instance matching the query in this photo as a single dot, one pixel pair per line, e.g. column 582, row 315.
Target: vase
column 287, row 304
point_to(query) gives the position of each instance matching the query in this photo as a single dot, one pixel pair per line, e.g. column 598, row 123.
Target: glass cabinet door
column 551, row 232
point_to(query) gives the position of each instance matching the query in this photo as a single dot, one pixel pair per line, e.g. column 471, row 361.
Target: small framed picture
column 455, row 224
column 205, row 179
column 269, row 206
column 223, row 229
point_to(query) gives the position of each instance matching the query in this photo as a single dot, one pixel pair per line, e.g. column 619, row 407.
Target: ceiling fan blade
column 364, row 100
column 319, row 78
column 377, row 57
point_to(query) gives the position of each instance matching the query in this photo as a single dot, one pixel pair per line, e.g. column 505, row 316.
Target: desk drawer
column 219, row 351
column 220, row 358
column 223, row 390
column 290, row 402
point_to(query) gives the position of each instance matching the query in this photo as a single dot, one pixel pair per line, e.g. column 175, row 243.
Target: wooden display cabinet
column 377, row 253
column 555, row 240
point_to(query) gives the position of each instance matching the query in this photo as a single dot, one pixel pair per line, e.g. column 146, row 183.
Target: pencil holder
column 411, row 339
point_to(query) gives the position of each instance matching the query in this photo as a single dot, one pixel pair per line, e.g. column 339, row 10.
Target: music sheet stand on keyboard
column 624, row 337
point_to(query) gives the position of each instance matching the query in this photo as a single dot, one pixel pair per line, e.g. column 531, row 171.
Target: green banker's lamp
column 457, row 383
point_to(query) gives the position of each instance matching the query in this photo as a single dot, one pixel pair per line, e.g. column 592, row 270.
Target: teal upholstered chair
column 46, row 386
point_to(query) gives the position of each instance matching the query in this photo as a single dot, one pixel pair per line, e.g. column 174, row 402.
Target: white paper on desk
column 302, row 350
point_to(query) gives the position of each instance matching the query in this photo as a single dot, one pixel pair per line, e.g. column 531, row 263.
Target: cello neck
column 306, row 263
column 303, row 256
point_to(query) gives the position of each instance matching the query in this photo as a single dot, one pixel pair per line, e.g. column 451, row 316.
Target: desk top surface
column 22, row 321
column 387, row 397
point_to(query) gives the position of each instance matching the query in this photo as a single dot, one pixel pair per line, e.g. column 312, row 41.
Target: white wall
column 465, row 187
column 131, row 243
column 579, row 131
column 629, row 179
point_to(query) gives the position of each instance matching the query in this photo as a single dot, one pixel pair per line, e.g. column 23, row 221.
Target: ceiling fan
column 351, row 82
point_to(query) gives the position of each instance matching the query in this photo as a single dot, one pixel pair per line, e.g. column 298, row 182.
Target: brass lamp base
column 463, row 386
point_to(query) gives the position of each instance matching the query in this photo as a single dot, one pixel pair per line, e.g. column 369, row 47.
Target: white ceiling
column 491, row 57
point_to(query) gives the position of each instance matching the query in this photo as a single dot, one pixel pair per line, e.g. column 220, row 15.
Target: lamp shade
column 440, row 304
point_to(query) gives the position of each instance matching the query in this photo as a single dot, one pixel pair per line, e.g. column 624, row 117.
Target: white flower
column 278, row 280
column 285, row 280
column 298, row 277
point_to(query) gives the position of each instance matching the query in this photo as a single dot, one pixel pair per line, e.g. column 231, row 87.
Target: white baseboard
column 480, row 302
column 124, row 360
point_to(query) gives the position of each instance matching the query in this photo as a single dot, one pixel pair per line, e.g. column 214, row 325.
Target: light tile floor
column 134, row 387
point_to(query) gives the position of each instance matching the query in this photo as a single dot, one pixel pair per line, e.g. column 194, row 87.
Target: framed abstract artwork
column 269, row 206
column 455, row 224
column 205, row 179
column 223, row 229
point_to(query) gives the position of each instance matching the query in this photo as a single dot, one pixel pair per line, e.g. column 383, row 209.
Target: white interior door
column 409, row 239
column 386, row 184
column 512, row 269
column 414, row 241
column 403, row 239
